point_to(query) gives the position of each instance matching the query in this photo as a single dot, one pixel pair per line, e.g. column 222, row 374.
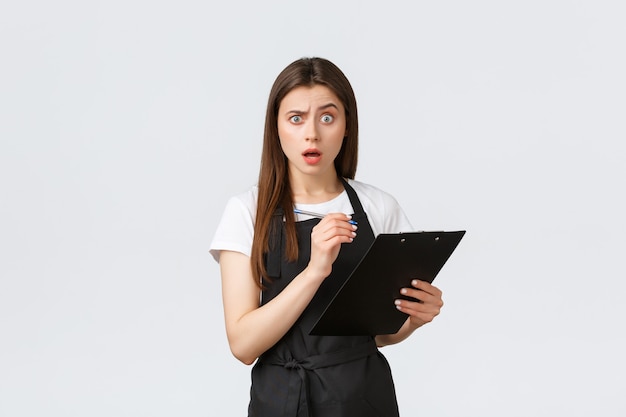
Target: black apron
column 320, row 376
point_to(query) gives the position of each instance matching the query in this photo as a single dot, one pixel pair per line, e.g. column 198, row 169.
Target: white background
column 126, row 125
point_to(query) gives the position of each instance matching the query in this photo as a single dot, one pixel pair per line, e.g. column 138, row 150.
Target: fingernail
column 403, row 291
column 397, row 302
column 414, row 282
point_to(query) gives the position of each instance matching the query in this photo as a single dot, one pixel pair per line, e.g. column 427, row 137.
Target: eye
column 295, row 119
column 327, row 118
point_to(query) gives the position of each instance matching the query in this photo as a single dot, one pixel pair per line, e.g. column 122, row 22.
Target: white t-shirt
column 236, row 228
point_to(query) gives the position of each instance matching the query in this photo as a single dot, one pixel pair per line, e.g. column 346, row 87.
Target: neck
column 312, row 189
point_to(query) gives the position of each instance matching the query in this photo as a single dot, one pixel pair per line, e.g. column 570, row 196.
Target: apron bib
column 320, row 376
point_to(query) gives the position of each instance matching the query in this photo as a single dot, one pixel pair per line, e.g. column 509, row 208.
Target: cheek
column 285, row 131
column 283, row 138
column 280, row 130
column 285, row 142
column 339, row 134
column 342, row 130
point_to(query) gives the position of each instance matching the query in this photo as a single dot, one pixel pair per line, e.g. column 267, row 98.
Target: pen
column 317, row 215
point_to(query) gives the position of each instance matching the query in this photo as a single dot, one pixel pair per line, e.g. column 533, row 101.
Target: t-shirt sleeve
column 235, row 229
column 395, row 220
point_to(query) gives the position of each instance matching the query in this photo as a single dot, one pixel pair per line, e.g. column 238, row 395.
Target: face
column 311, row 128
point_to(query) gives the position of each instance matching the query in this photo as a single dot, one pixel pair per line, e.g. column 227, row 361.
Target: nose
column 311, row 133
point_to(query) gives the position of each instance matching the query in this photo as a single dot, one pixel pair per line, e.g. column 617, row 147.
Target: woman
column 279, row 270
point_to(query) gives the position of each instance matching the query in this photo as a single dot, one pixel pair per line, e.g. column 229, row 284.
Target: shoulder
column 370, row 191
column 245, row 201
column 383, row 210
column 372, row 196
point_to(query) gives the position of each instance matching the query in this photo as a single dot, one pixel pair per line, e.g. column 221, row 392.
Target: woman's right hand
column 326, row 239
column 253, row 329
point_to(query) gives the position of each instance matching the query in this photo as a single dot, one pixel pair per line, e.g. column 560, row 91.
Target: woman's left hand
column 427, row 305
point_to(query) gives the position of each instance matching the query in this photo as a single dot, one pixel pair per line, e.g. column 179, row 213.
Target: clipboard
column 364, row 305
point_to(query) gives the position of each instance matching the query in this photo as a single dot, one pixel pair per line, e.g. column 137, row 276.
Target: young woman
column 279, row 269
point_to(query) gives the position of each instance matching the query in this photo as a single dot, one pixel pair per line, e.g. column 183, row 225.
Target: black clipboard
column 364, row 305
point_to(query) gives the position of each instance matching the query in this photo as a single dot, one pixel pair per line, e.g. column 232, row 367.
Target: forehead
column 306, row 97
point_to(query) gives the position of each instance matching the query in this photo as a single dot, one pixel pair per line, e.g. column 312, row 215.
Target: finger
column 334, row 228
column 418, row 295
column 332, row 232
column 419, row 310
column 420, row 318
column 338, row 240
column 336, row 220
column 426, row 287
column 339, row 216
column 423, row 297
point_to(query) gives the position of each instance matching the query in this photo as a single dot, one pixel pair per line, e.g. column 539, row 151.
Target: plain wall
column 125, row 126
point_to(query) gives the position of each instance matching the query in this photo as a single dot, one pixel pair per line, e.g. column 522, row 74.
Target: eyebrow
column 324, row 107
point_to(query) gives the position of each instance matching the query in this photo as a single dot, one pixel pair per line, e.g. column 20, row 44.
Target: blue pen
column 317, row 215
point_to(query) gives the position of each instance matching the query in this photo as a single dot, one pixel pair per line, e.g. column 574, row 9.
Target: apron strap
column 273, row 257
column 354, row 199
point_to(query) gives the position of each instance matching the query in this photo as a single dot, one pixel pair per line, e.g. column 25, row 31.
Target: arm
column 420, row 312
column 252, row 329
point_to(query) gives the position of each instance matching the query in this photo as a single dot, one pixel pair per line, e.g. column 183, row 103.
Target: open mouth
column 312, row 156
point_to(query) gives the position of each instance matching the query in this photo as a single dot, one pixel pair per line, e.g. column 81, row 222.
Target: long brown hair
column 274, row 188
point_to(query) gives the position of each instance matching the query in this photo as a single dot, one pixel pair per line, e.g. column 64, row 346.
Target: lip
column 312, row 156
